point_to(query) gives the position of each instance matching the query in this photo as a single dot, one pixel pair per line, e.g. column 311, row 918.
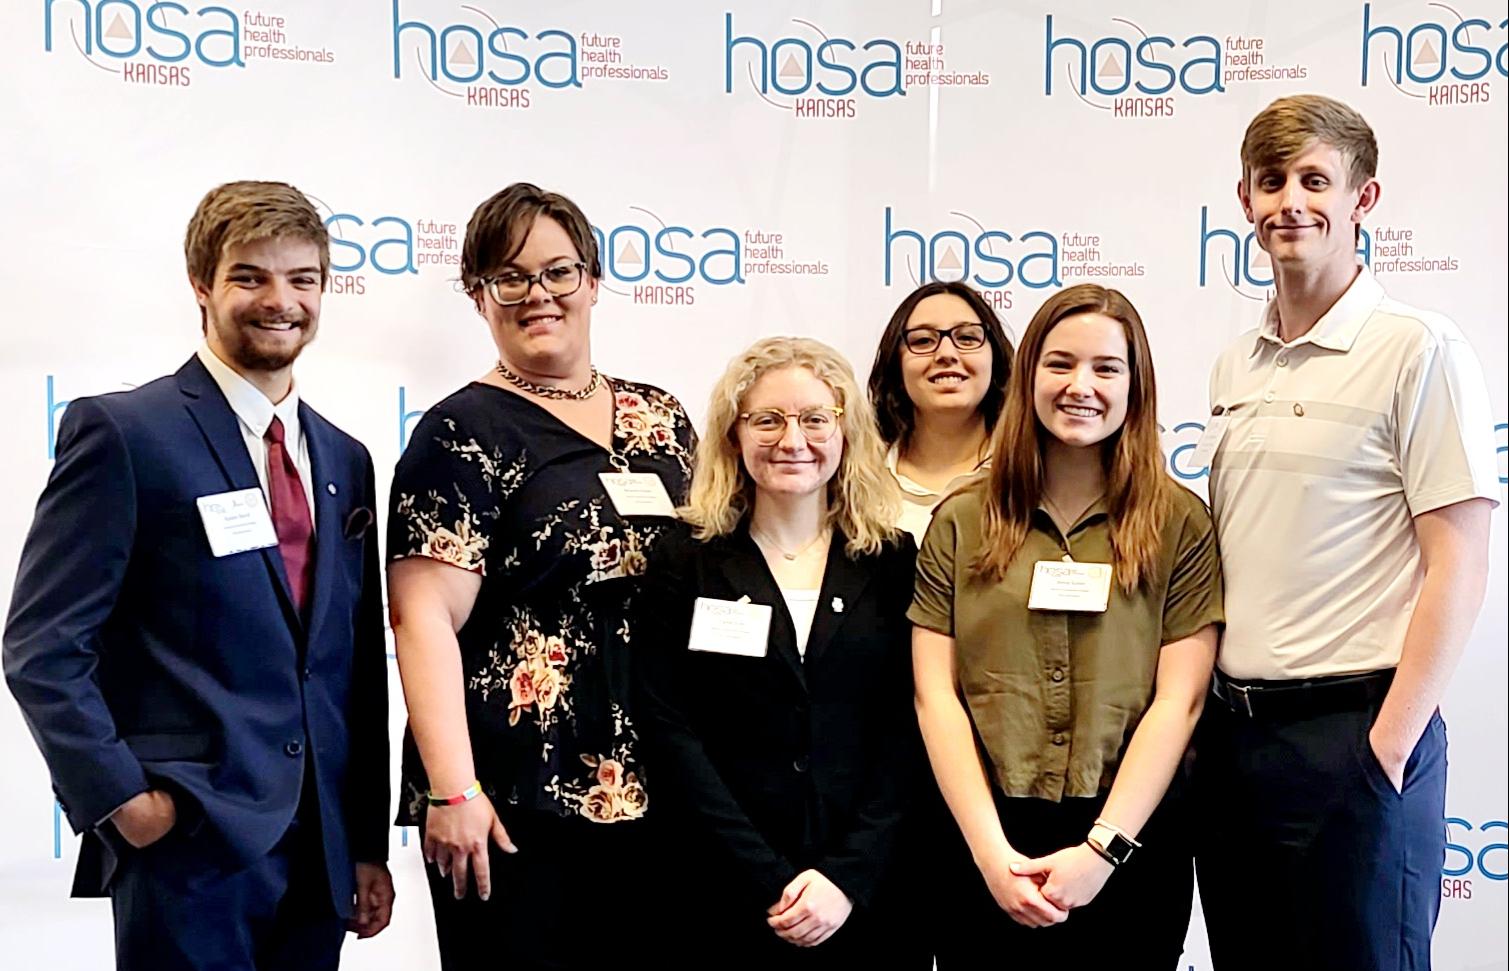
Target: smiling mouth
column 948, row 379
column 541, row 319
column 1078, row 411
column 277, row 326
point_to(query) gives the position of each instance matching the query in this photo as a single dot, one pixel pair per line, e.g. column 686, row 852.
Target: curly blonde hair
column 862, row 499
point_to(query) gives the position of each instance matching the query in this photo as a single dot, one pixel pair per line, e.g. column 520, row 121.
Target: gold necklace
column 545, row 390
column 759, row 533
column 1055, row 507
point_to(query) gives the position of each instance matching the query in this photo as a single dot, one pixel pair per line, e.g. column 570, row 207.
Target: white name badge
column 637, row 493
column 1210, row 440
column 235, row 522
column 1065, row 585
column 730, row 627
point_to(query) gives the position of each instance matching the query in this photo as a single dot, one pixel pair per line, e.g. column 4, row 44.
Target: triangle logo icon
column 1427, row 55
column 461, row 54
column 118, row 29
column 791, row 69
column 950, row 260
column 630, row 254
column 1110, row 66
column 1261, row 260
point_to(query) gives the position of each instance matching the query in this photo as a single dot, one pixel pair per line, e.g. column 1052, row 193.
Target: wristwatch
column 1113, row 846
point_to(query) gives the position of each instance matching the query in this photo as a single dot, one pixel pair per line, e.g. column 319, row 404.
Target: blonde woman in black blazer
column 781, row 765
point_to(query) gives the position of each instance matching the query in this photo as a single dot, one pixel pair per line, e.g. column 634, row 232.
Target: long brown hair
column 1137, row 487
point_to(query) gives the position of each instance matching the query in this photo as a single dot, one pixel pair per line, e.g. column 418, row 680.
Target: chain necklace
column 545, row 391
column 1055, row 507
column 760, row 533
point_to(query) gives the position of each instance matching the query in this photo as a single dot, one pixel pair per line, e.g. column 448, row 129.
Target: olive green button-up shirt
column 1056, row 695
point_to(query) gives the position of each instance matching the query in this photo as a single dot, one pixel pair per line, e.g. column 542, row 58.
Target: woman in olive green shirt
column 1066, row 614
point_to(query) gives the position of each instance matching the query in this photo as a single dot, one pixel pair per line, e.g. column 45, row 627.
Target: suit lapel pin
column 330, row 488
column 838, row 605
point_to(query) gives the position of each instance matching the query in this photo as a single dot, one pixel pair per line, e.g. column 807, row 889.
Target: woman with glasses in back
column 775, row 679
column 937, row 385
column 1067, row 611
column 523, row 511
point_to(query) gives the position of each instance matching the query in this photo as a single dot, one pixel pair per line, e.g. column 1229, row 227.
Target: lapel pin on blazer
column 358, row 522
column 838, row 605
column 330, row 488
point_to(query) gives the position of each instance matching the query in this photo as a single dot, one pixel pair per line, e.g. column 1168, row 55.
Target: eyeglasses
column 964, row 337
column 767, row 426
column 509, row 289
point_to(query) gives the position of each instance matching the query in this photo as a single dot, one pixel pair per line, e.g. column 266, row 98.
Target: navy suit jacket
column 141, row 660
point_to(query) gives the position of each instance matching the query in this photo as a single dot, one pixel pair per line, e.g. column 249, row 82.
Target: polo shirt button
column 800, row 763
column 1058, row 738
column 293, row 749
column 1299, row 410
column 1268, row 397
column 1058, row 674
column 1282, row 361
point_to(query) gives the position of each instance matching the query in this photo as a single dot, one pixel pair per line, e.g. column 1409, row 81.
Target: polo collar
column 1338, row 328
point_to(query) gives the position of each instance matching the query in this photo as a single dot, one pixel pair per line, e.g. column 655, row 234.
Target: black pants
column 176, row 912
column 1138, row 920
column 577, row 894
column 1308, row 857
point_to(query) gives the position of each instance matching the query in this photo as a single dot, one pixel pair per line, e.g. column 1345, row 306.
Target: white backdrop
column 754, row 168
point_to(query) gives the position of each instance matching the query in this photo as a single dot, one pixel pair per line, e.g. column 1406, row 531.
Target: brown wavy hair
column 1138, row 489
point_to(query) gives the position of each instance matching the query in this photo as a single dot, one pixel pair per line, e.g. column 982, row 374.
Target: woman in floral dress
column 513, row 568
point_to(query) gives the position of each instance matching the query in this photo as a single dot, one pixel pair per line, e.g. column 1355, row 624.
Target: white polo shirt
column 1337, row 440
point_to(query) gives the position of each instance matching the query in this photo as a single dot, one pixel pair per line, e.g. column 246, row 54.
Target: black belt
column 1298, row 699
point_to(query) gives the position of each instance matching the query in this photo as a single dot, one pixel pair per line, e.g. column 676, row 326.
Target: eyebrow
column 254, row 268
column 513, row 264
column 1098, row 357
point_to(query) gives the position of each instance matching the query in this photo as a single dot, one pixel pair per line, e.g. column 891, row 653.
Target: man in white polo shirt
column 1352, row 488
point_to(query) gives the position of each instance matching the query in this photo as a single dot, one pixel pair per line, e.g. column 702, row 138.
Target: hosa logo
column 658, row 263
column 992, row 260
column 482, row 62
column 813, row 74
column 1244, row 265
column 1440, row 60
column 1140, row 73
column 145, row 43
column 1471, row 851
column 385, row 245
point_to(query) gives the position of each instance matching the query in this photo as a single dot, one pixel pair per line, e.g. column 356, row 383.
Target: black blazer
column 140, row 659
column 768, row 766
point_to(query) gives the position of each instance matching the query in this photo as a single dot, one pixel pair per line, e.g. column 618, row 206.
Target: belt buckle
column 1243, row 691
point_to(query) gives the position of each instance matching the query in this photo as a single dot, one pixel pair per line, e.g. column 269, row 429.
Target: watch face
column 1119, row 848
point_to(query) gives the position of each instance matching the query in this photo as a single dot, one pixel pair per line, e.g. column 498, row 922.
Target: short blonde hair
column 862, row 500
column 247, row 212
column 1289, row 125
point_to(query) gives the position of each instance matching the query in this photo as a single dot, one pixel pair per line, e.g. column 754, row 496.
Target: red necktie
column 290, row 514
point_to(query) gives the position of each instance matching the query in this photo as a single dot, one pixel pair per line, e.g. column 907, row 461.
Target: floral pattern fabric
column 494, row 484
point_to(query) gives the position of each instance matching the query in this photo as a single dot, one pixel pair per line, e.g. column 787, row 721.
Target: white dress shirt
column 254, row 412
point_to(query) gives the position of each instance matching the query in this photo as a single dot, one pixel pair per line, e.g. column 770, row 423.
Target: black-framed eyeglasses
column 964, row 337
column 767, row 426
column 560, row 280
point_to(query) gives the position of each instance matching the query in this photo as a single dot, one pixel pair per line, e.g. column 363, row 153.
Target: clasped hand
column 1064, row 880
column 810, row 910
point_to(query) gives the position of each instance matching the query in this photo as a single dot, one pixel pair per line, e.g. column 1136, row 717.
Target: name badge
column 1210, row 439
column 730, row 627
column 637, row 493
column 1066, row 585
column 235, row 522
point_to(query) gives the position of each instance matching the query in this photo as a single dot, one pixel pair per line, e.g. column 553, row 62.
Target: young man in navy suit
column 196, row 636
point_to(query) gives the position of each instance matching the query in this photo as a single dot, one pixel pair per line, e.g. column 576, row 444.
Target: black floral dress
column 493, row 483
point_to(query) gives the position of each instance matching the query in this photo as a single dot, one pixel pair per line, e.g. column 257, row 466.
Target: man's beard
column 251, row 355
